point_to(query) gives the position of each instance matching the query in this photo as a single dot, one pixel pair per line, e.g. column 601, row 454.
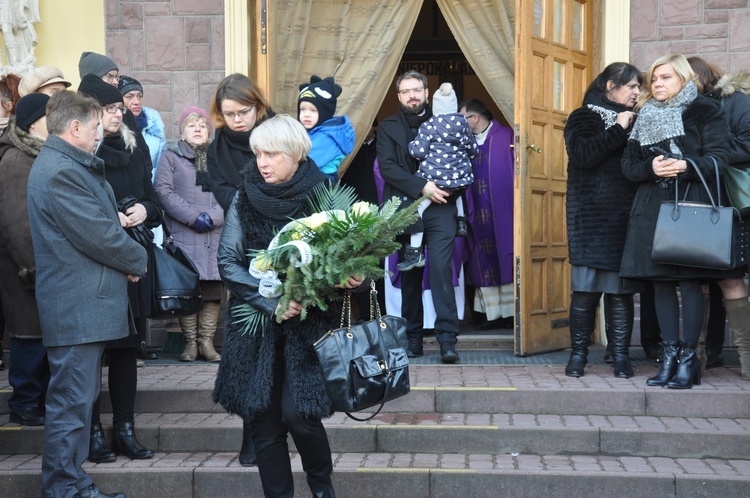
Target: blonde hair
column 681, row 67
column 281, row 133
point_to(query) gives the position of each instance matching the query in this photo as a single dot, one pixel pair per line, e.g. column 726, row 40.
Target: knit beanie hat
column 322, row 93
column 29, row 109
column 96, row 64
column 105, row 93
column 128, row 84
column 194, row 110
column 444, row 101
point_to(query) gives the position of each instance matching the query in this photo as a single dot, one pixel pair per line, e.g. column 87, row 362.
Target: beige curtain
column 358, row 42
column 485, row 31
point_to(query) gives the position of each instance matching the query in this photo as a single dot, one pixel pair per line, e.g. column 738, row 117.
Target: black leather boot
column 619, row 317
column 688, row 368
column 99, row 450
column 247, row 452
column 126, row 444
column 668, row 364
column 582, row 323
column 448, row 353
column 414, row 348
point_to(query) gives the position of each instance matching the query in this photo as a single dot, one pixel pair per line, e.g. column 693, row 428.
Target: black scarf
column 607, row 109
column 281, row 202
column 114, row 152
column 414, row 121
column 233, row 153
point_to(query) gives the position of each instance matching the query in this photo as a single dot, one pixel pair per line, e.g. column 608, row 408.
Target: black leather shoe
column 126, row 444
column 29, row 416
column 414, row 349
column 92, row 491
column 146, row 353
column 99, row 450
column 448, row 353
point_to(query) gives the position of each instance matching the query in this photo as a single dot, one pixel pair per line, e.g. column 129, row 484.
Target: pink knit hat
column 195, row 110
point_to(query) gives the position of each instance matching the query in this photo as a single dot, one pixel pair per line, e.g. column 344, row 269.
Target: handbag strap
column 714, row 204
column 382, row 404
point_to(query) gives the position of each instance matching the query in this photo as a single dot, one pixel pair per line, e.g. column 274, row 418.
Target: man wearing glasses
column 438, row 221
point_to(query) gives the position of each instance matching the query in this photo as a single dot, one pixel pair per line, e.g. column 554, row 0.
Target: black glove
column 203, row 223
column 141, row 234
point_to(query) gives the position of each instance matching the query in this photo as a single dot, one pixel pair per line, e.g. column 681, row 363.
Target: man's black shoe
column 30, row 416
column 92, row 491
column 414, row 349
column 413, row 258
column 448, row 353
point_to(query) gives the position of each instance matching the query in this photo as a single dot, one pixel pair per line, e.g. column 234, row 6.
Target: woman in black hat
column 128, row 171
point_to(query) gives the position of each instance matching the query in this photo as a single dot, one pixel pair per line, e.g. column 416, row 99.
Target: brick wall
column 717, row 30
column 174, row 48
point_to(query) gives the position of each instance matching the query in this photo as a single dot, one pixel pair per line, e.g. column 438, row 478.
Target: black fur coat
column 246, row 373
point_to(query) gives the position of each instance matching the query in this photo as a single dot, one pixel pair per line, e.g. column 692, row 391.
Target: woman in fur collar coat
column 128, row 172
column 598, row 203
column 732, row 91
column 194, row 219
column 270, row 374
column 674, row 117
column 29, row 373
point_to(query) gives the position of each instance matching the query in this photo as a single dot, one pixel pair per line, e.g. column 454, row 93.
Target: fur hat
column 39, row 77
column 128, row 84
column 96, row 64
column 93, row 86
column 444, row 101
column 29, row 109
column 194, row 110
column 322, row 93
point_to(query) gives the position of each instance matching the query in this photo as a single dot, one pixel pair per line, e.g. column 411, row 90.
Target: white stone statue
column 19, row 36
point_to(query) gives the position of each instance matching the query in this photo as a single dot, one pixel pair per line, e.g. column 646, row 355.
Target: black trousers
column 439, row 234
column 270, row 437
column 123, row 382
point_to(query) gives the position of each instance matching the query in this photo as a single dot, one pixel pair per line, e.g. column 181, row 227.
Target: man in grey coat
column 84, row 260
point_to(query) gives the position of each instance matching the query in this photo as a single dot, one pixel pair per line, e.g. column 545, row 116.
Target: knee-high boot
column 688, row 368
column 668, row 364
column 582, row 323
column 738, row 314
column 208, row 318
column 619, row 317
column 247, row 451
column 189, row 326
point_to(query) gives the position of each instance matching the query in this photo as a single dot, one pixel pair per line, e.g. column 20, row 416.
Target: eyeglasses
column 470, row 116
column 112, row 109
column 111, row 78
column 407, row 91
column 229, row 116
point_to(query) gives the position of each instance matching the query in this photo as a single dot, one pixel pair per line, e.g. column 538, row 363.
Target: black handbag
column 175, row 282
column 366, row 364
column 694, row 233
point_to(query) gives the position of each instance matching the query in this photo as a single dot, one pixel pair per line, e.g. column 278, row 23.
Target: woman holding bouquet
column 270, row 374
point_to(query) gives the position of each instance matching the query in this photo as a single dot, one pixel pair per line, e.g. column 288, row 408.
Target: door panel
column 553, row 67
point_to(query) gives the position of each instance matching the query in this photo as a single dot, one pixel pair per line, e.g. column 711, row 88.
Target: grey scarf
column 661, row 121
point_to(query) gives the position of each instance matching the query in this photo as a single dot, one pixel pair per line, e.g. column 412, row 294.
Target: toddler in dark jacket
column 445, row 146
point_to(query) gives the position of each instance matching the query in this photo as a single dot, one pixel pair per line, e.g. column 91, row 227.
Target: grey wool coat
column 182, row 201
column 82, row 254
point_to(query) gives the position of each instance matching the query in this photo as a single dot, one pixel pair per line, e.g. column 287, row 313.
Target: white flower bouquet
column 310, row 256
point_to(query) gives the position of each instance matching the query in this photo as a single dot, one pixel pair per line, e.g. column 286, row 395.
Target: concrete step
column 487, row 433
column 604, row 400
column 416, row 475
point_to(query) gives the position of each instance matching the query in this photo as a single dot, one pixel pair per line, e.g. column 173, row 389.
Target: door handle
column 534, row 148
